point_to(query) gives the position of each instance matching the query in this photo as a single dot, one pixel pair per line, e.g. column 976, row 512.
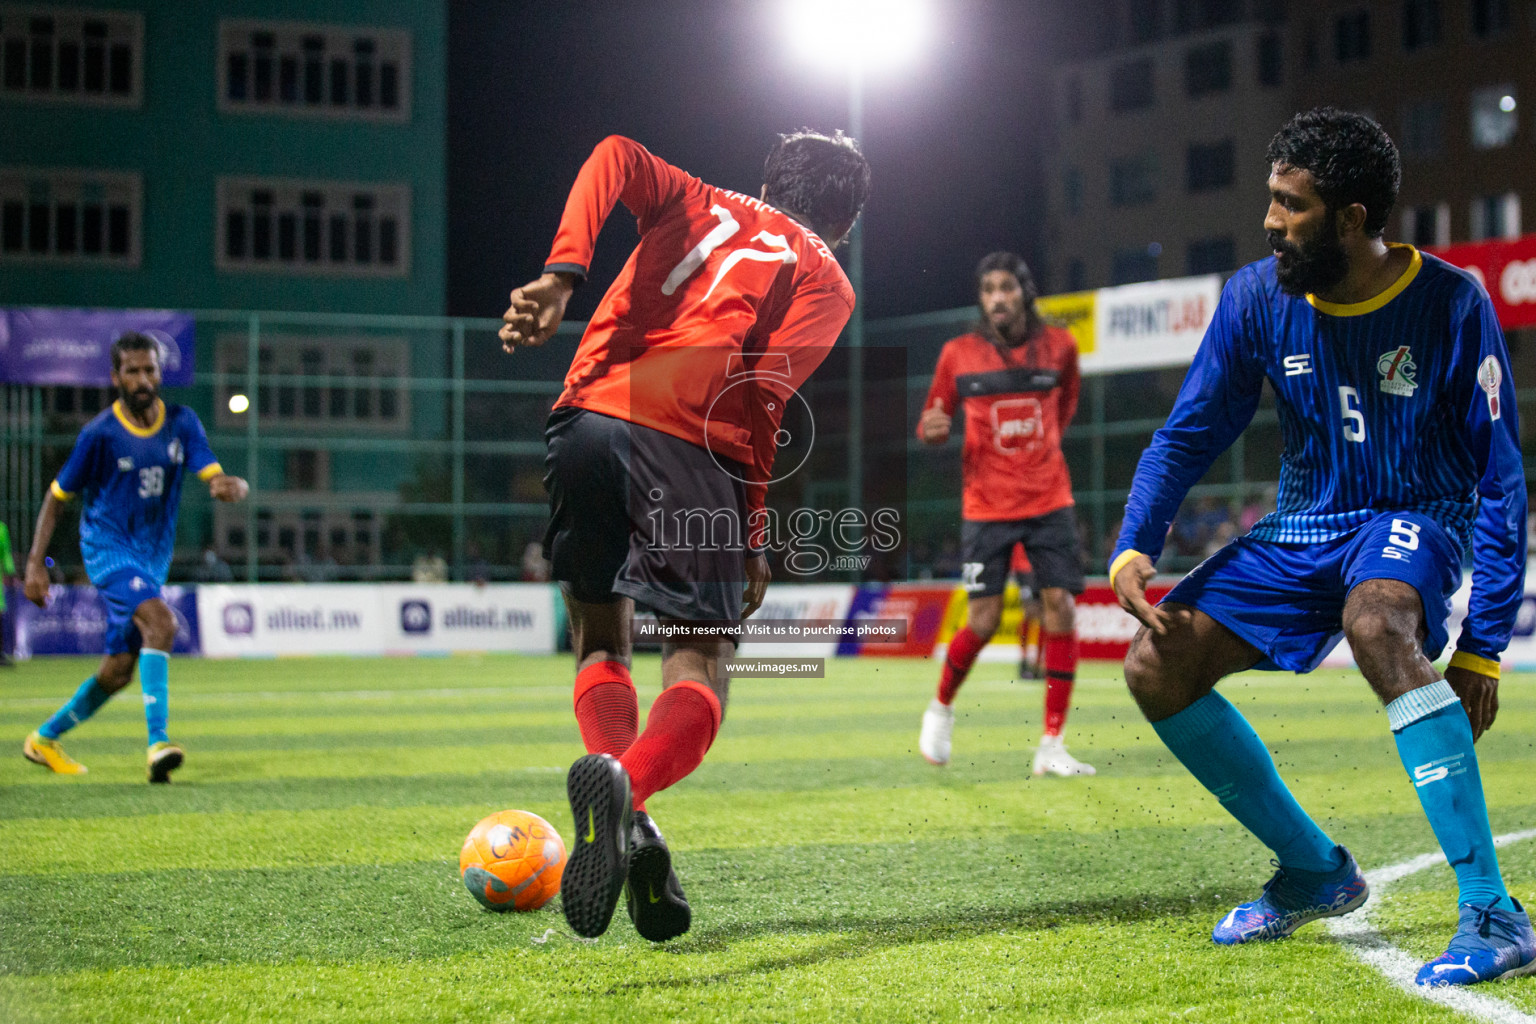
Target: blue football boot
column 1489, row 944
column 1292, row 898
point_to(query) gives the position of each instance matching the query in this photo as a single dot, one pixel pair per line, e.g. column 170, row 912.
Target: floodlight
column 857, row 34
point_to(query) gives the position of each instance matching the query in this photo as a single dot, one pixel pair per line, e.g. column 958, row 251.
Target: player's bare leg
column 1173, row 679
column 1384, row 623
column 982, row 615
column 1031, row 625
column 1059, row 642
column 607, row 709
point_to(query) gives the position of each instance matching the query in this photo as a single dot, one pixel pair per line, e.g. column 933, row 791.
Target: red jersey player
column 660, row 449
column 1018, row 379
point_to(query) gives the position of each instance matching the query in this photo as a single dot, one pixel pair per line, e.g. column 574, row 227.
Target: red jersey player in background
column 1030, row 614
column 1018, row 379
column 669, row 417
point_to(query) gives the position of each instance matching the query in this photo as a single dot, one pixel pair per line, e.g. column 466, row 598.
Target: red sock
column 678, row 733
column 1060, row 672
column 957, row 663
column 607, row 709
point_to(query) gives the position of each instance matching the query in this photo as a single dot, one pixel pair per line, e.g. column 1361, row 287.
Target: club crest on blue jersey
column 1489, row 377
column 125, row 464
column 176, row 452
column 1396, row 367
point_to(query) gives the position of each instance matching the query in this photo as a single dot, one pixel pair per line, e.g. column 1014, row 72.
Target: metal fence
column 378, row 447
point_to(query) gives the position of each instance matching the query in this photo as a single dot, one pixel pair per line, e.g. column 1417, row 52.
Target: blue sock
column 1434, row 739
column 154, row 681
column 81, row 706
column 1220, row 749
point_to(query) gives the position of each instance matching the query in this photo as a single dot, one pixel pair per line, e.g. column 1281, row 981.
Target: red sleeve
column 618, row 169
column 800, row 343
column 1071, row 382
column 943, row 387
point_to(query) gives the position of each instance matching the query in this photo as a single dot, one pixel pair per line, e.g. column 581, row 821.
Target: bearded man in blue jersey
column 1392, row 382
column 129, row 463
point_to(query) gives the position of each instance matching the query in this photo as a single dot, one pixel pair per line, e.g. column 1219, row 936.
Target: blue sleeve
column 1215, row 404
column 81, row 469
column 1493, row 436
column 200, row 457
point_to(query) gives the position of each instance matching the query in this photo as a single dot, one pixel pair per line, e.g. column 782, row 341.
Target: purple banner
column 71, row 346
column 76, row 620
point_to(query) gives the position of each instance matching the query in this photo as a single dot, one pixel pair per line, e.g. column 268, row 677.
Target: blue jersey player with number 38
column 1392, row 383
column 128, row 463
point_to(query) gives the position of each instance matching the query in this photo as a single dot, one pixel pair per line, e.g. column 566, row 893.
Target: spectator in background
column 213, row 569
column 7, row 571
column 429, row 568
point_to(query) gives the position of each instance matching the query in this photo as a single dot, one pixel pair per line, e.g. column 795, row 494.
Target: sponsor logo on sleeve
column 1489, row 376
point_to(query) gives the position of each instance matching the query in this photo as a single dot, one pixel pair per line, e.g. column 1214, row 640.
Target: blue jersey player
column 1392, row 382
column 128, row 463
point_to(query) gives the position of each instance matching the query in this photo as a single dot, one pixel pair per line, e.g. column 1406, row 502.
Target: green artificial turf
column 303, row 866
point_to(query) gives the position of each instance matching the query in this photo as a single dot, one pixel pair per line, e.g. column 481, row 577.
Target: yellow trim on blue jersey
column 137, row 431
column 1374, row 303
column 210, row 471
column 59, row 492
column 1482, row 666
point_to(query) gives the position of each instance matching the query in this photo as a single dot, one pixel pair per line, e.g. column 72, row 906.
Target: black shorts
column 638, row 513
column 1050, row 541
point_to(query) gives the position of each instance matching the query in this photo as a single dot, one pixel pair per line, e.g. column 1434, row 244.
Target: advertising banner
column 71, row 346
column 808, row 602
column 920, row 605
column 75, row 621
column 1074, row 311
column 280, row 619
column 1507, row 270
column 1157, row 323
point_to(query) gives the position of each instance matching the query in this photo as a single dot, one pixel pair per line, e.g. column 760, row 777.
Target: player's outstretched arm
column 228, row 488
column 536, row 310
column 35, row 584
column 1130, row 583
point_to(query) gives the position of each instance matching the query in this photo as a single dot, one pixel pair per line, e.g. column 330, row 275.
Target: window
column 1132, row 181
column 1427, row 225
column 1489, row 17
column 71, row 56
column 1208, row 68
column 1494, row 119
column 1130, row 85
column 1421, row 23
column 313, row 227
column 1138, row 264
column 1424, row 129
column 1271, row 59
column 318, row 382
column 1211, row 166
column 1496, row 217
column 308, row 69
column 1146, row 22
column 1194, row 15
column 1074, row 100
column 70, row 216
column 1212, row 256
column 1072, row 190
column 1352, row 36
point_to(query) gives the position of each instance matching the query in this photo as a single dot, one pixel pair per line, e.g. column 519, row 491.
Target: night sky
column 954, row 137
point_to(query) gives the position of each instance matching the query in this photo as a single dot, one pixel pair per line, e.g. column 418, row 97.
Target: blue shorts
column 123, row 591
column 1288, row 599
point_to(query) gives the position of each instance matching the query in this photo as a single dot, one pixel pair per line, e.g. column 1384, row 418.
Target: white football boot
column 938, row 726
column 1052, row 758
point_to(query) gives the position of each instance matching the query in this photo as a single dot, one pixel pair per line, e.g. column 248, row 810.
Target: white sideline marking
column 1356, row 934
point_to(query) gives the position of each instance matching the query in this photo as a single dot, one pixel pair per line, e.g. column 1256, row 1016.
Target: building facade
column 267, row 155
column 1157, row 166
